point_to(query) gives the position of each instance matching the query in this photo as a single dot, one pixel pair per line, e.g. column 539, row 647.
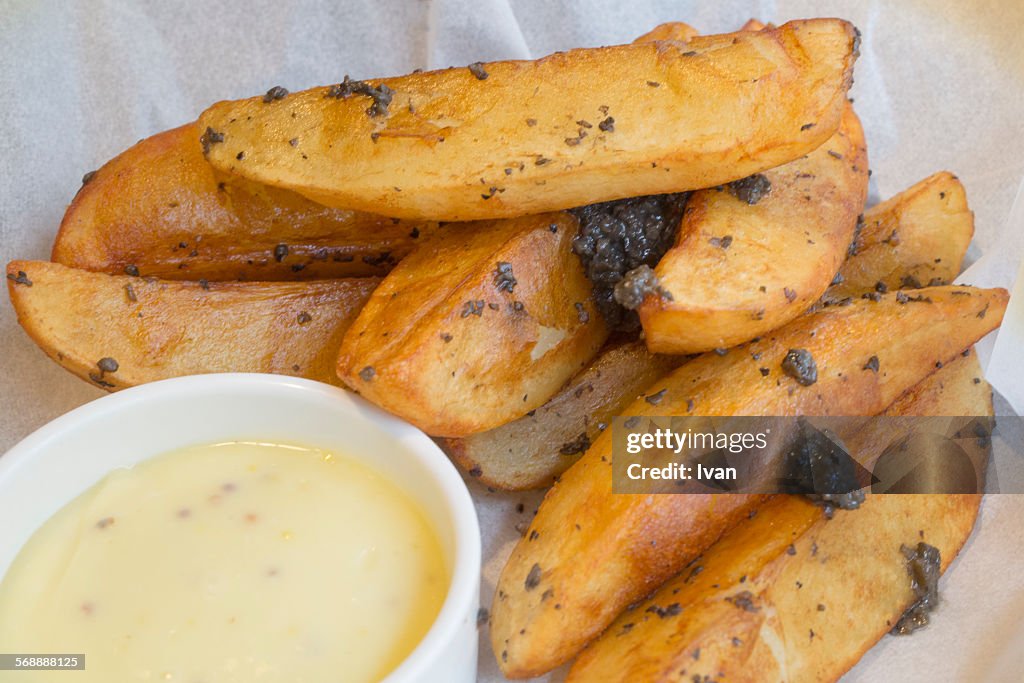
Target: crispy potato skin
column 781, row 256
column 915, row 238
column 534, row 450
column 850, row 565
column 159, row 329
column 160, row 207
column 442, row 345
column 681, row 121
column 670, row 30
column 628, row 545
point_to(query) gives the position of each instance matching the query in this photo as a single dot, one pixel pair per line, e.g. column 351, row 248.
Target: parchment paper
column 939, row 86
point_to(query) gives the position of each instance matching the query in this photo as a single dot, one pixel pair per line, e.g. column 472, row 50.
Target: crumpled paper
column 938, row 87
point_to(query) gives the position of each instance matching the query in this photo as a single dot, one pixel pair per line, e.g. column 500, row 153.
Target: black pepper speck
column 799, row 364
column 751, row 189
column 477, row 69
column 532, row 578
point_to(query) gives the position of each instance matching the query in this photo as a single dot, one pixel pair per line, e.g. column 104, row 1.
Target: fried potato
column 507, row 139
column 588, row 553
column 918, row 237
column 806, row 616
column 534, row 450
column 117, row 331
column 160, row 209
column 670, row 30
column 481, row 324
column 849, row 566
column 743, row 265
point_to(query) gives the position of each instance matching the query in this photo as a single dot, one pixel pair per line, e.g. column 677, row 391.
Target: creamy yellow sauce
column 233, row 562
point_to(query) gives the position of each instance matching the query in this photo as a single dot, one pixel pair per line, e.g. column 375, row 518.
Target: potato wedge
column 507, row 139
column 803, row 617
column 625, row 546
column 670, row 30
column 160, row 209
column 534, row 450
column 481, row 324
column 739, row 269
column 918, row 237
column 116, row 331
column 850, row 566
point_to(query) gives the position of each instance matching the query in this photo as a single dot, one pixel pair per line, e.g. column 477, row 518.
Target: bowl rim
column 463, row 587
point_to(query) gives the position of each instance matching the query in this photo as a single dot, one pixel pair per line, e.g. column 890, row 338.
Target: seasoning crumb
column 483, row 617
column 367, row 373
column 751, row 189
column 381, row 95
column 129, row 292
column 104, row 523
column 655, row 398
column 532, row 578
column 872, row 364
column 654, row 84
column 20, row 279
column 531, row 122
column 280, row 251
column 209, row 138
column 107, row 365
column 275, row 93
column 745, row 601
column 304, row 318
column 721, row 242
column 504, row 280
column 607, row 125
column 665, row 612
column 799, row 364
column 473, row 308
column 637, row 284
column 923, row 565
column 477, row 69
column 88, row 177
column 581, row 313
column 807, row 126
column 578, row 445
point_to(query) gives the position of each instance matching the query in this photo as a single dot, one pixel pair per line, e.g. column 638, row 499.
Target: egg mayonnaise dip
column 231, row 562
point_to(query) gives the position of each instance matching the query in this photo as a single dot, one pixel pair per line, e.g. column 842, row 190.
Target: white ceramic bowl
column 67, row 456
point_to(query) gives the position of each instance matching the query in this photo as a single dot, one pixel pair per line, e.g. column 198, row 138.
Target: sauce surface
column 232, row 562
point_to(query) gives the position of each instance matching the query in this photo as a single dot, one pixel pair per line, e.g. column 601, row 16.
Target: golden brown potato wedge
column 739, row 269
column 534, row 450
column 958, row 388
column 852, row 585
column 918, row 237
column 757, row 612
column 582, row 576
column 670, row 30
column 117, row 331
column 507, row 139
column 159, row 209
column 481, row 324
